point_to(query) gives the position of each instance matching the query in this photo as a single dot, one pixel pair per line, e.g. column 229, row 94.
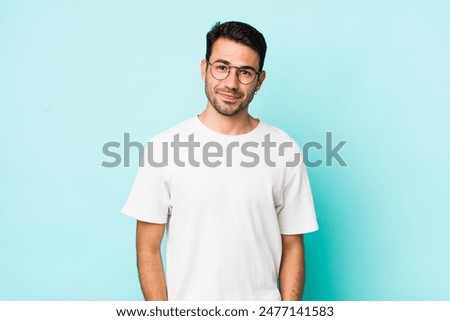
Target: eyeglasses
column 245, row 75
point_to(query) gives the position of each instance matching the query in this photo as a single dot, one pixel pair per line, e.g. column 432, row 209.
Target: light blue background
column 77, row 74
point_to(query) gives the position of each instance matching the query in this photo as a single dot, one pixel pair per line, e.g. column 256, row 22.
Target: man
column 235, row 220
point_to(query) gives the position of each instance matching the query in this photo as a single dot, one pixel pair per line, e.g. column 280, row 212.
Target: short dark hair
column 239, row 32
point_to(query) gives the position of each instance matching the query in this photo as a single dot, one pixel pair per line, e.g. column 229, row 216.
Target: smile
column 228, row 96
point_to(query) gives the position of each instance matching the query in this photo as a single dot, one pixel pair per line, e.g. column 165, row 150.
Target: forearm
column 292, row 271
column 151, row 276
column 151, row 272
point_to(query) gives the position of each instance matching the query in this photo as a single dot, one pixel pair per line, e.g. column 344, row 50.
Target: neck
column 238, row 124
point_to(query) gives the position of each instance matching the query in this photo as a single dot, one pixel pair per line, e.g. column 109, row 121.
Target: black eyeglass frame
column 238, row 68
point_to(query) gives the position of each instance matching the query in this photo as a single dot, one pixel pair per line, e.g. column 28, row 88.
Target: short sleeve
column 149, row 199
column 296, row 214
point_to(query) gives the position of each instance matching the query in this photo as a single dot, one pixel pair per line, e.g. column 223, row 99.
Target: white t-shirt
column 225, row 209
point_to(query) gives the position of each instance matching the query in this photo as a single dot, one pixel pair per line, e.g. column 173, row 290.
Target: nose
column 232, row 81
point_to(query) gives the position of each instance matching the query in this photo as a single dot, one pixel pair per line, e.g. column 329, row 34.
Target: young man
column 230, row 190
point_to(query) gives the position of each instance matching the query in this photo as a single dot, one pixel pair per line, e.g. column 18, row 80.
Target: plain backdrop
column 75, row 75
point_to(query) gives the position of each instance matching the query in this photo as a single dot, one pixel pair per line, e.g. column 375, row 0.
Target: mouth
column 228, row 97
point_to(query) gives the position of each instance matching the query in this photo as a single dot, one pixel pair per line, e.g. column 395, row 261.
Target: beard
column 223, row 107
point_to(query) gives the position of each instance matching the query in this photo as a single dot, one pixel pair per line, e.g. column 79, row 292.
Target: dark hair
column 239, row 32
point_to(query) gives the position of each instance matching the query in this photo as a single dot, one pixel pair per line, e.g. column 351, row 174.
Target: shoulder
column 185, row 127
column 279, row 136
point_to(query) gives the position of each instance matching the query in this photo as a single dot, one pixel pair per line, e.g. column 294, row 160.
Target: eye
column 246, row 72
column 221, row 67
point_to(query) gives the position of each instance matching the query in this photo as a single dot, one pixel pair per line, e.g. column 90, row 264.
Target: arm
column 292, row 268
column 151, row 272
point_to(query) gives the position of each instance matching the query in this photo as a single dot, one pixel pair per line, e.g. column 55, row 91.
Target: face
column 228, row 96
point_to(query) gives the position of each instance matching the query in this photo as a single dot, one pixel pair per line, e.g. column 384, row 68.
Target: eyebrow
column 228, row 63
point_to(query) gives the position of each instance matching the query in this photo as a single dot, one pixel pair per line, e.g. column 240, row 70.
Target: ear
column 203, row 67
column 261, row 78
